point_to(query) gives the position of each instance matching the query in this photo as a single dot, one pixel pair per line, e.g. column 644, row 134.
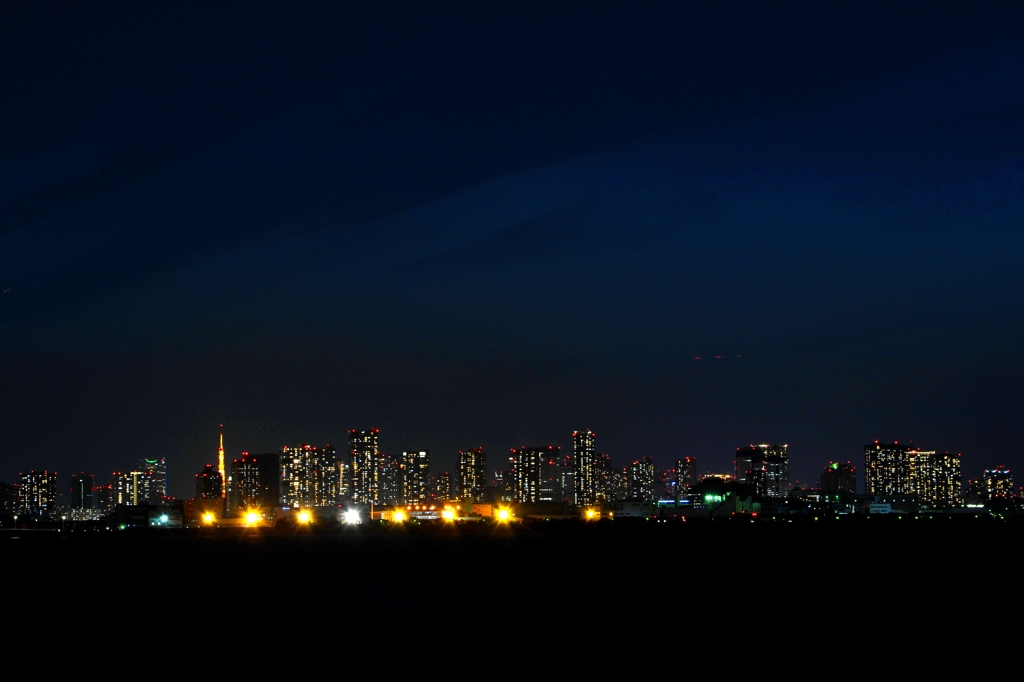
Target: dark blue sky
column 492, row 227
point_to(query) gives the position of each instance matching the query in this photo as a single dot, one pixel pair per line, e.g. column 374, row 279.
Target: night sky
column 496, row 224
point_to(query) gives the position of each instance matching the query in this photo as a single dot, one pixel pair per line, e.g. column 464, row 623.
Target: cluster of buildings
column 536, row 480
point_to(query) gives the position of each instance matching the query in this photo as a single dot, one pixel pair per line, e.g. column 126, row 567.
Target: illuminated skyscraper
column 158, row 469
column 686, row 474
column 363, row 452
column 309, row 476
column 527, row 469
column 766, row 467
column 326, row 477
column 133, row 488
column 640, row 479
column 209, row 484
column 839, row 478
column 884, row 469
column 605, row 478
column 81, row 491
column 441, row 487
column 946, row 485
column 553, row 479
column 258, row 482
column 905, row 470
column 472, row 474
column 416, row 476
column 997, row 484
column 583, row 456
column 37, row 493
column 390, row 478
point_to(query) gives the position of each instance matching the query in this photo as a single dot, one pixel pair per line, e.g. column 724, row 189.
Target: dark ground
column 443, row 597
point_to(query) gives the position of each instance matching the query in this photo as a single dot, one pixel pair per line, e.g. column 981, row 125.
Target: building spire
column 220, row 465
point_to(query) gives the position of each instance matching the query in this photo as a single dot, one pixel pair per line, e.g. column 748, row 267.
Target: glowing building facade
column 884, row 469
column 997, row 484
column 256, row 482
column 584, row 454
column 766, row 467
column 37, row 493
column 686, row 474
column 415, row 476
column 528, row 468
column 158, row 471
column 905, row 470
column 133, row 489
column 309, row 476
column 472, row 476
column 640, row 480
column 364, row 465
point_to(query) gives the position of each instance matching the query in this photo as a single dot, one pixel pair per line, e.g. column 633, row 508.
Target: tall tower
column 220, row 464
column 583, row 455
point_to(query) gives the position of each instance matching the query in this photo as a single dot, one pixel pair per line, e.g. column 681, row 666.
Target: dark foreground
column 365, row 589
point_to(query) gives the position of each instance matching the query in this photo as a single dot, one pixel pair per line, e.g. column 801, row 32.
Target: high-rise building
column 686, row 474
column 905, row 470
column 309, row 476
column 81, row 491
column 946, row 483
column 640, row 479
column 472, row 474
column 133, row 488
column 37, row 493
column 766, row 467
column 605, row 477
column 884, row 469
column 105, row 498
column 527, row 467
column 416, row 476
column 584, row 454
column 363, row 452
column 8, row 498
column 209, row 484
column 839, row 478
column 441, row 487
column 158, row 469
column 390, row 478
column 257, row 482
column 553, row 479
column 997, row 484
column 326, row 477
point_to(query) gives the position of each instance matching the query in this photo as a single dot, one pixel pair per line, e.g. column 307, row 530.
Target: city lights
column 448, row 514
column 305, row 517
column 252, row 518
column 398, row 516
column 504, row 514
column 208, row 518
column 352, row 517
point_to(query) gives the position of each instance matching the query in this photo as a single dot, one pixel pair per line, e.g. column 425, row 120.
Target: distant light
column 504, row 514
column 208, row 518
column 163, row 518
column 252, row 518
column 448, row 514
column 305, row 516
column 352, row 516
column 398, row 516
